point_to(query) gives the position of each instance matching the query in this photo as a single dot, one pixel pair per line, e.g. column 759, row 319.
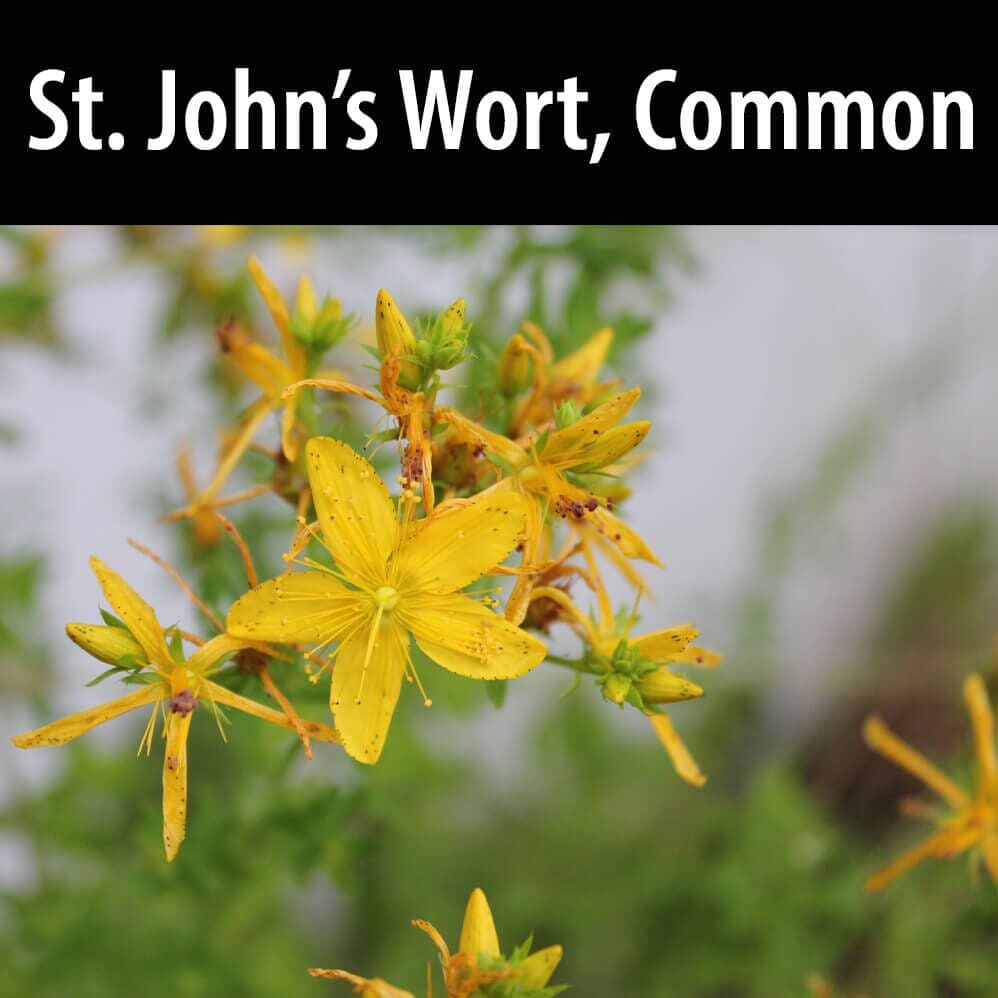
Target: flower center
column 386, row 598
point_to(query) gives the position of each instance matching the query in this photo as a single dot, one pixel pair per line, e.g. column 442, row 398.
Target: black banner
column 658, row 131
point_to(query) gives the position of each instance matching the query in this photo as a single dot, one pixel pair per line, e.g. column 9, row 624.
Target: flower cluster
column 374, row 585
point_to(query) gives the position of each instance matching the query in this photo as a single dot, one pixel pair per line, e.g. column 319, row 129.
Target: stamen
column 412, row 675
column 371, row 641
column 149, row 733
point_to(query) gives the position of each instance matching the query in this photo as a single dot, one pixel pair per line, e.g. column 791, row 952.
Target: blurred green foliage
column 572, row 822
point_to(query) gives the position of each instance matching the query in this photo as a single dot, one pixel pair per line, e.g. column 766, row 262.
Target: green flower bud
column 565, row 414
column 616, row 687
column 318, row 329
column 448, row 338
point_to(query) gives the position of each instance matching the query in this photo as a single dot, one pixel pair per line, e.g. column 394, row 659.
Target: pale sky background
column 770, row 346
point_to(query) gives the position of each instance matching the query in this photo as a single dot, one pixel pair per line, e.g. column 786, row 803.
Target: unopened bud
column 452, row 321
column 664, row 686
column 616, row 686
column 317, row 329
column 108, row 644
column 514, row 371
column 395, row 336
column 446, row 339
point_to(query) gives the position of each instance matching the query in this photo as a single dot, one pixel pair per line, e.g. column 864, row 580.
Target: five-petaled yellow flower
column 478, row 963
column 174, row 688
column 393, row 577
column 974, row 822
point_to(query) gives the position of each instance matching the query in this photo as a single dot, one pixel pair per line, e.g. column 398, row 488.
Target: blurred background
column 822, row 489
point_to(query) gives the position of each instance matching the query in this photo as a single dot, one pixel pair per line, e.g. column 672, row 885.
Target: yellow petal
column 297, row 608
column 684, row 763
column 519, row 597
column 259, row 365
column 704, row 657
column 563, row 444
column 478, row 933
column 289, row 415
column 137, row 615
column 107, row 644
column 293, row 352
column 453, row 319
column 583, row 365
column 881, row 739
column 321, row 732
column 664, row 645
column 366, row 987
column 989, row 847
column 463, row 636
column 305, row 303
column 628, row 540
column 936, row 845
column 356, row 513
column 211, row 654
column 175, row 783
column 438, row 940
column 975, row 695
column 606, row 448
column 458, row 544
column 67, row 728
column 364, row 726
column 472, row 432
column 537, row 969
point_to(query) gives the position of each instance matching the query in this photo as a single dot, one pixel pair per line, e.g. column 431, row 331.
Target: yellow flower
column 479, row 960
column 540, row 470
column 574, row 376
column 175, row 687
column 393, row 577
column 636, row 669
column 974, row 821
column 477, row 964
column 271, row 373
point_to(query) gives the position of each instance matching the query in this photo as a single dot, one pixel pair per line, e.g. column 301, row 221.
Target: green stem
column 577, row 664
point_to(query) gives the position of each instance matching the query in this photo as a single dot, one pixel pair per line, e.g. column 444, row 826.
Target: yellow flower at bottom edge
column 479, row 960
column 974, row 822
column 477, row 963
column 174, row 688
column 366, row 987
column 393, row 577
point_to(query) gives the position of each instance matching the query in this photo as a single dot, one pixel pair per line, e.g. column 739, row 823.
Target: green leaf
column 106, row 674
column 112, row 621
column 177, row 646
column 496, row 690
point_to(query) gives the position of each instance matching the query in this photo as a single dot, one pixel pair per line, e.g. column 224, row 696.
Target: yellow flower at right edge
column 476, row 965
column 974, row 822
column 394, row 576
